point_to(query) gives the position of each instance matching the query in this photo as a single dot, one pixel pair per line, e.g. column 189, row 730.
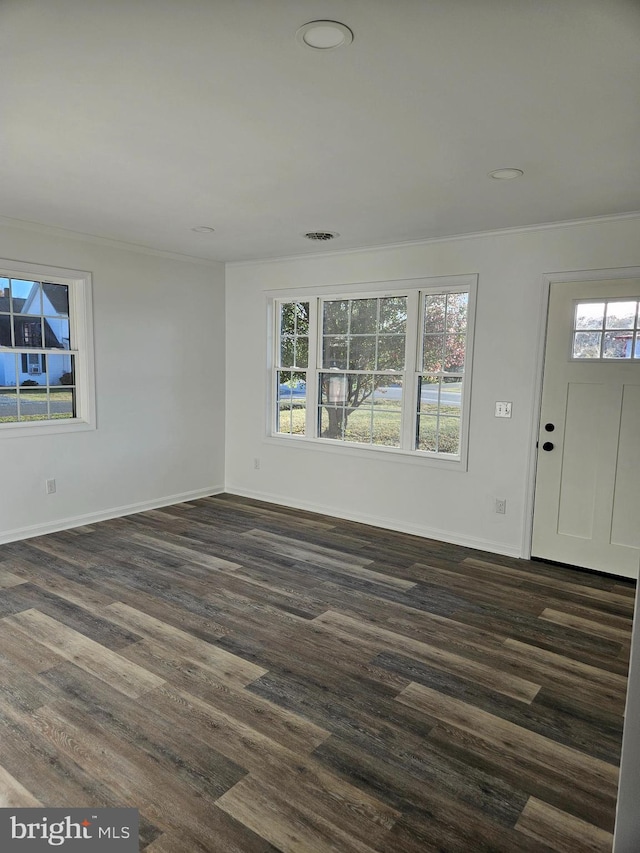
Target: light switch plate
column 503, row 410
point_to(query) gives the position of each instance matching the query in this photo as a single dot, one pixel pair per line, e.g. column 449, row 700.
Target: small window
column 378, row 370
column 45, row 349
column 606, row 330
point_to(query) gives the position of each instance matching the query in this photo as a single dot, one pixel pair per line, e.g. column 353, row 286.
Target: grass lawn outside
column 35, row 405
column 379, row 424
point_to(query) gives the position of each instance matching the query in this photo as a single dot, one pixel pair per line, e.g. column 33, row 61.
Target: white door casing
column 587, row 498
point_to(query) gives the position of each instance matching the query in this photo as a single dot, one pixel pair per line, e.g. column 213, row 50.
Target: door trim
column 547, row 280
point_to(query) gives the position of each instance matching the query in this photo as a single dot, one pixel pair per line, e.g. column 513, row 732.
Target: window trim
column 81, row 332
column 414, row 288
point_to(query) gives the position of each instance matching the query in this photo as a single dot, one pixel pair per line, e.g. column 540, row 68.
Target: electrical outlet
column 503, row 409
column 256, row 464
column 51, row 487
column 501, row 506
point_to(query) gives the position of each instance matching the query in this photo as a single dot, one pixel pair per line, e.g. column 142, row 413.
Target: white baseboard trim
column 385, row 523
column 104, row 515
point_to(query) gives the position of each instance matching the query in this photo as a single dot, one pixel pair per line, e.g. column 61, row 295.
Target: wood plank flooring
column 257, row 679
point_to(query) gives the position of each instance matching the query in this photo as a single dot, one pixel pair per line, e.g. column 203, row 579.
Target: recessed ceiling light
column 324, row 35
column 321, row 235
column 506, row 174
column 203, row 229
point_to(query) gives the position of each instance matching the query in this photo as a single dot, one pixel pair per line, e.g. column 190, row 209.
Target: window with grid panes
column 606, row 329
column 292, row 361
column 385, row 371
column 442, row 357
column 363, row 353
column 44, row 349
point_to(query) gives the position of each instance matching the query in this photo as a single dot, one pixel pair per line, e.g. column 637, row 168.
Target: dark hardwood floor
column 257, row 679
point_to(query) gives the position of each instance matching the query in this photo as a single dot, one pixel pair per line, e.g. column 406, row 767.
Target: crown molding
column 427, row 241
column 55, row 231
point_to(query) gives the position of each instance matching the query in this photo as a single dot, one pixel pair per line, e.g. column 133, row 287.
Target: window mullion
column 410, row 378
column 312, row 370
column 275, row 361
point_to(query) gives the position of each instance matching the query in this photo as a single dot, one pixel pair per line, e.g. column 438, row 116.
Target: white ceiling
column 137, row 120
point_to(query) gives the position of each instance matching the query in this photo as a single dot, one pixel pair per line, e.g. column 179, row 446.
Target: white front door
column 587, row 500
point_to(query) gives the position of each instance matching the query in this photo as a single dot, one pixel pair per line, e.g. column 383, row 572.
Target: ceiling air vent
column 321, row 235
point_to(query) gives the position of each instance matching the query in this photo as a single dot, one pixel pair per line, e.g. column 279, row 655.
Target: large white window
column 46, row 363
column 386, row 370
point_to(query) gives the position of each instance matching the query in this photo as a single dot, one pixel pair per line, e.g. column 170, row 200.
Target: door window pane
column 589, row 315
column 618, row 317
column 621, row 315
column 587, row 344
column 617, row 345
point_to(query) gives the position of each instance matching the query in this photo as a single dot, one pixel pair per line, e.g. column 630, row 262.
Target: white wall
column 159, row 351
column 432, row 501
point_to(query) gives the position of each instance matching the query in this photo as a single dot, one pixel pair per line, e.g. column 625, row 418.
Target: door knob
column 548, row 445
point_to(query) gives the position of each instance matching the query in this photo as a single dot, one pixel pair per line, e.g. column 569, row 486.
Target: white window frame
column 81, row 333
column 415, row 290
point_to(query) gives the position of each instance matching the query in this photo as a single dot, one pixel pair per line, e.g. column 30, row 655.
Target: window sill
column 386, row 454
column 35, row 428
